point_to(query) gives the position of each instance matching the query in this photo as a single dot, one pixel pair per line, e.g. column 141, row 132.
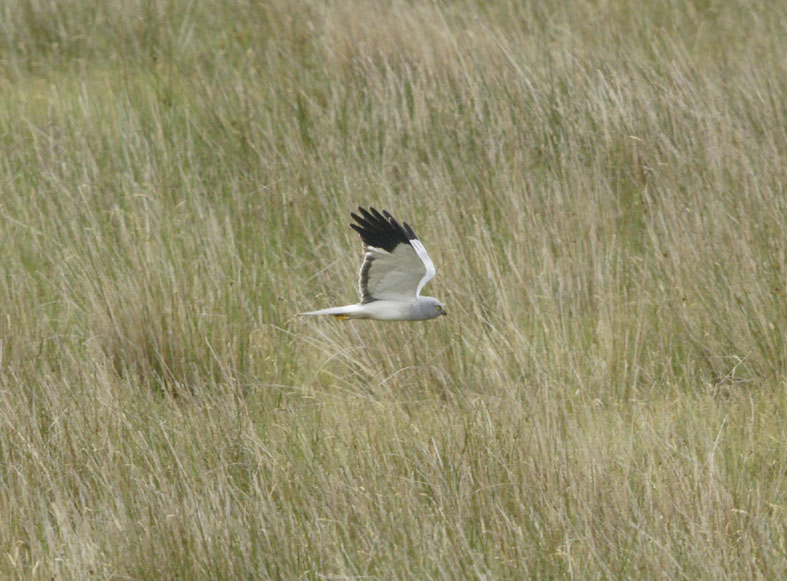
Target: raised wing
column 396, row 265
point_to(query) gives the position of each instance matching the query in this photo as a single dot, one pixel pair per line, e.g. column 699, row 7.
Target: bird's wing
column 396, row 265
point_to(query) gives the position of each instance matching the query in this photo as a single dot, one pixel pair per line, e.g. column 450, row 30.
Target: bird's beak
column 444, row 312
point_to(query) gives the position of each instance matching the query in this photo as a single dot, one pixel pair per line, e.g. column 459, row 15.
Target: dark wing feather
column 381, row 230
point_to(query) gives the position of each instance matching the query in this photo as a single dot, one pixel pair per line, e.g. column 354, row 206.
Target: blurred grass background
column 600, row 185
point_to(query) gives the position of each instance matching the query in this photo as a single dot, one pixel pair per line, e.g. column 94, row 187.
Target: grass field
column 601, row 186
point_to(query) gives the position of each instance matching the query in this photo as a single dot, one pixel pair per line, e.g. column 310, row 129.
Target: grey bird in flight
column 395, row 269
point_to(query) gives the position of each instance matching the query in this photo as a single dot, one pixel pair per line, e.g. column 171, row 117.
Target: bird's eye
column 438, row 308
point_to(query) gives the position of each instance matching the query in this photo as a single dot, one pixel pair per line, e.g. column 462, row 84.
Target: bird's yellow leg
column 342, row 317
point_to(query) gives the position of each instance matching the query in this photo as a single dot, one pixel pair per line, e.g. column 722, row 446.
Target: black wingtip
column 410, row 234
column 381, row 230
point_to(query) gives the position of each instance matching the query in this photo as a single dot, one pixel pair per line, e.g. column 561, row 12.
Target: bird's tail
column 342, row 313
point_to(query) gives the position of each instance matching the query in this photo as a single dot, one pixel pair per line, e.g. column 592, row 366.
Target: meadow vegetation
column 601, row 186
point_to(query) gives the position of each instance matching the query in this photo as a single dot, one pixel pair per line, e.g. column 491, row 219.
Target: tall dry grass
column 600, row 185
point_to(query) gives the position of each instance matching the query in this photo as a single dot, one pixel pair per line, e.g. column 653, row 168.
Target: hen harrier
column 395, row 269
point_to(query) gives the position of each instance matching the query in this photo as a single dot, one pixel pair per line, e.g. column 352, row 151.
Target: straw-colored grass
column 601, row 186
